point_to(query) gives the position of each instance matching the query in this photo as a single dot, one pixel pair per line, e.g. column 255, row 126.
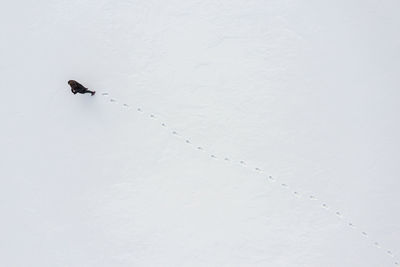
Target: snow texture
column 223, row 133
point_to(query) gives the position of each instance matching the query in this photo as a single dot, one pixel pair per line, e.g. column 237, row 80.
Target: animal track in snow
column 269, row 178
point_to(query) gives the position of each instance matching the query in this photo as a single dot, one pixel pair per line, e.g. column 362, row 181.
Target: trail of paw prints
column 242, row 163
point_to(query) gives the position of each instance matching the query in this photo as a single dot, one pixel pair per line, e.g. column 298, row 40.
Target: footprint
column 242, row 162
column 187, row 142
column 351, row 224
column 113, row 100
column 174, row 132
column 227, row 159
column 104, row 94
column 152, row 116
column 139, row 109
column 257, row 169
column 338, row 214
column 324, row 206
column 284, row 185
column 313, row 197
column 163, row 124
column 199, row 148
column 126, row 105
column 364, row 233
column 213, row 156
column 272, row 179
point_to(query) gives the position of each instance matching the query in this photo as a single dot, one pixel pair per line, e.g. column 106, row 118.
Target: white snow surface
column 306, row 92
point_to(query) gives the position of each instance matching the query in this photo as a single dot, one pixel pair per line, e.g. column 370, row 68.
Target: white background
column 306, row 91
